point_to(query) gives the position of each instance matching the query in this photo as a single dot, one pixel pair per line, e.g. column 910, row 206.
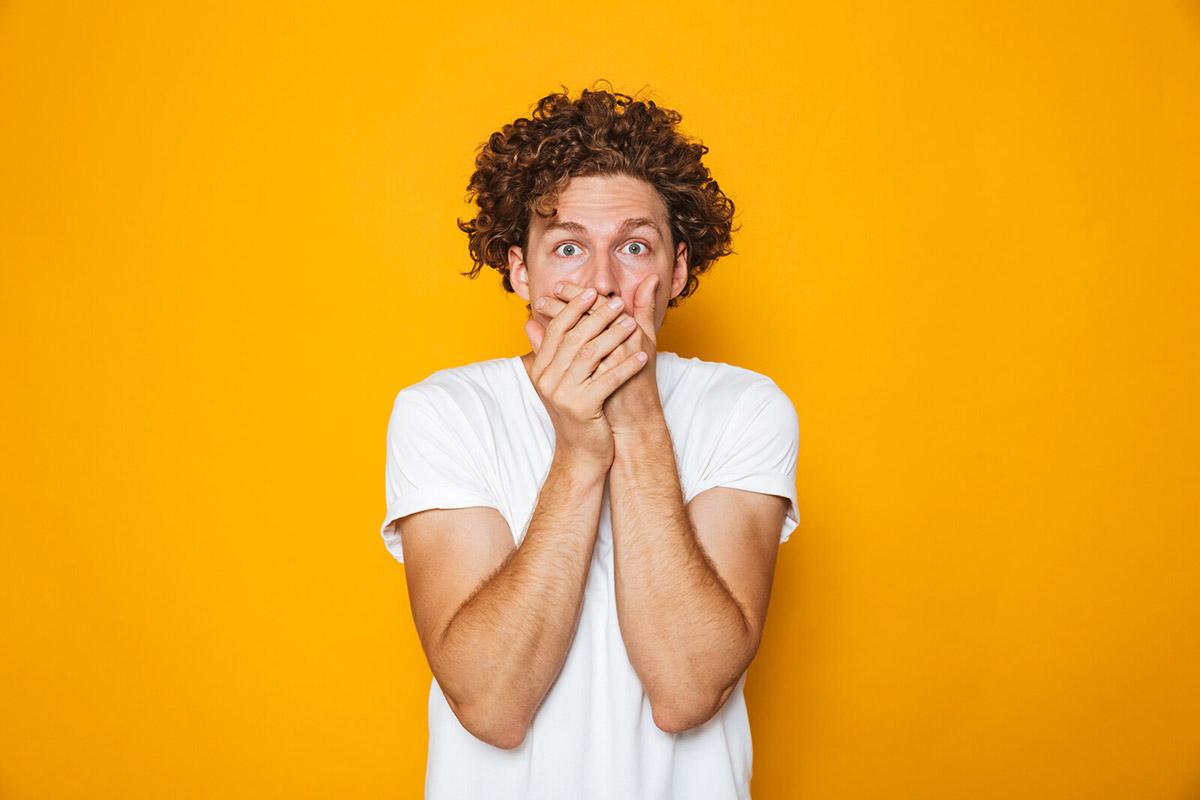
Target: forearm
column 503, row 648
column 687, row 637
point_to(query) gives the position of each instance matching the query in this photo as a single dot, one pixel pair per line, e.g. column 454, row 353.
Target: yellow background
column 969, row 253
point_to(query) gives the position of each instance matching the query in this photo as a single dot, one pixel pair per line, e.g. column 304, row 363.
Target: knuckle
column 587, row 351
column 609, row 335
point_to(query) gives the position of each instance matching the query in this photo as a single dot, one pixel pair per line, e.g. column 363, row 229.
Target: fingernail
column 627, row 322
column 616, row 302
column 558, row 288
column 588, row 294
column 541, row 301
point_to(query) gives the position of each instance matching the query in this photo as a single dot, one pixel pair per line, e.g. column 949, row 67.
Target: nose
column 604, row 277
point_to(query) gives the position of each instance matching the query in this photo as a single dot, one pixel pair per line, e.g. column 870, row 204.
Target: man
column 590, row 529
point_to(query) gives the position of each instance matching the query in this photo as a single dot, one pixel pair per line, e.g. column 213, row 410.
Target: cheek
column 543, row 286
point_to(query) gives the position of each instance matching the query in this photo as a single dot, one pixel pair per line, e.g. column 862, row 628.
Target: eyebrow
column 627, row 225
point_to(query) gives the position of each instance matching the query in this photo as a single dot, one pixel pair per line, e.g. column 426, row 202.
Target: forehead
column 601, row 203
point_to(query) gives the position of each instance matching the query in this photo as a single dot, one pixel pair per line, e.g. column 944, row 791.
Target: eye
column 637, row 249
column 568, row 249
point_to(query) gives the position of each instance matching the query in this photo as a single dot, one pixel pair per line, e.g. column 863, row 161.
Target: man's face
column 610, row 233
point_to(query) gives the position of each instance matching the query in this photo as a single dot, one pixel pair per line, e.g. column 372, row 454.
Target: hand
column 567, row 352
column 637, row 399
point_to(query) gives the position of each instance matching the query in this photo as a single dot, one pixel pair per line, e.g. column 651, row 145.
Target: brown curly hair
column 522, row 167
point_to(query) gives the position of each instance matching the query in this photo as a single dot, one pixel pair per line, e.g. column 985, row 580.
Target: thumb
column 645, row 304
column 535, row 333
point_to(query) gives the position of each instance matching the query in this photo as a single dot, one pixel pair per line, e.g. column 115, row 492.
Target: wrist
column 643, row 428
column 580, row 469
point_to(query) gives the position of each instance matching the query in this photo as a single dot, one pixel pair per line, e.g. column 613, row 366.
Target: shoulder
column 715, row 383
column 459, row 404
column 466, row 386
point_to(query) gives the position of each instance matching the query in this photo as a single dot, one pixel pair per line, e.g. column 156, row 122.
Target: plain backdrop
column 969, row 253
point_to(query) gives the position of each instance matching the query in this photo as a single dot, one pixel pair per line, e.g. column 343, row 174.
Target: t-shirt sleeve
column 429, row 465
column 758, row 449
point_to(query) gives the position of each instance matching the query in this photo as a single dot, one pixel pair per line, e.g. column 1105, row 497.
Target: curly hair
column 521, row 169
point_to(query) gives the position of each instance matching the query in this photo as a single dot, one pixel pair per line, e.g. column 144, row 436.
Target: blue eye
column 640, row 251
column 574, row 249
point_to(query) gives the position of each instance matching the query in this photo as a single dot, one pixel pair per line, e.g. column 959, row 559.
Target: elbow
column 505, row 731
column 680, row 705
column 506, row 738
column 686, row 710
column 675, row 719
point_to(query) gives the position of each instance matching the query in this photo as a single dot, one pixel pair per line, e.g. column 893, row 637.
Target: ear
column 679, row 274
column 518, row 272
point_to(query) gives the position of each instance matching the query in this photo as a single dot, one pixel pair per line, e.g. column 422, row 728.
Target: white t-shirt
column 479, row 435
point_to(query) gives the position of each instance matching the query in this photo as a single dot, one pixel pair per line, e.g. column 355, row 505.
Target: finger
column 644, row 304
column 598, row 348
column 567, row 290
column 600, row 388
column 579, row 342
column 550, row 306
column 557, row 329
column 535, row 333
column 571, row 311
column 624, row 350
column 561, row 297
